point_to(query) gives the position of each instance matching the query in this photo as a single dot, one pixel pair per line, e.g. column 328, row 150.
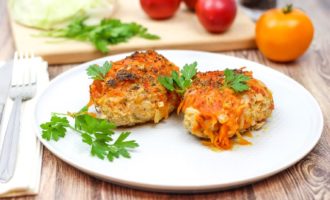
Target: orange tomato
column 284, row 34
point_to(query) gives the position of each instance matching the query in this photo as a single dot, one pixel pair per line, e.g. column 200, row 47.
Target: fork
column 23, row 88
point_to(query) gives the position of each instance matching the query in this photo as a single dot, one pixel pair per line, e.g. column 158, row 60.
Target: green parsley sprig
column 179, row 82
column 97, row 72
column 235, row 81
column 107, row 32
column 94, row 131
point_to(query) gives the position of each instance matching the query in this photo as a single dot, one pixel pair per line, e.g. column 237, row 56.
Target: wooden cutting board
column 183, row 31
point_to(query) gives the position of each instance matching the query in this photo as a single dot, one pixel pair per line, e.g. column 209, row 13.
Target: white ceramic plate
column 170, row 159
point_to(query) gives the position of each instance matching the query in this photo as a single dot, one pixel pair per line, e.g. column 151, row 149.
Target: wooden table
column 308, row 179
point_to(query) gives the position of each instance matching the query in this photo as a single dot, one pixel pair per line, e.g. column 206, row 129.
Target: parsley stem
column 74, row 129
column 63, row 114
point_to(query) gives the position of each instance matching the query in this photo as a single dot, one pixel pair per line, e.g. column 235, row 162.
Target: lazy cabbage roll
column 131, row 94
column 214, row 110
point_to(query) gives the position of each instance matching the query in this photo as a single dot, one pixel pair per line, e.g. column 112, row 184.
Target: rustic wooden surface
column 308, row 179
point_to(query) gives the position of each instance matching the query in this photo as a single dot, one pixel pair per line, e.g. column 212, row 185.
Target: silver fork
column 23, row 88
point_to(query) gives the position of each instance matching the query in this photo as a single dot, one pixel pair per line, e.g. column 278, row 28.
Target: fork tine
column 32, row 67
column 26, row 77
column 21, row 55
column 25, row 73
column 33, row 78
column 16, row 74
column 16, row 56
column 33, row 74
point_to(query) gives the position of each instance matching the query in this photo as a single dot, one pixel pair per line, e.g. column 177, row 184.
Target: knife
column 5, row 79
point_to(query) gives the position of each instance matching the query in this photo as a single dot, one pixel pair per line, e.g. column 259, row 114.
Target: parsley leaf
column 120, row 142
column 99, row 149
column 100, row 128
column 98, row 73
column 120, row 146
column 94, row 131
column 107, row 32
column 54, row 129
column 236, row 81
column 167, row 82
column 189, row 71
column 179, row 83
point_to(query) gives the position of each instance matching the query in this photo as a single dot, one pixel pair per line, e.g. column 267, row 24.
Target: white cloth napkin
column 27, row 174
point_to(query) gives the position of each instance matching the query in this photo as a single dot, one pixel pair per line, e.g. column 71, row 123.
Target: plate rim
column 178, row 188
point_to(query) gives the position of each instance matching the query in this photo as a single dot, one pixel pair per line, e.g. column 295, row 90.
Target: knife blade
column 5, row 79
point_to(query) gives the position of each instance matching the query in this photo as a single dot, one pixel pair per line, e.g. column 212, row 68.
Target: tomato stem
column 287, row 9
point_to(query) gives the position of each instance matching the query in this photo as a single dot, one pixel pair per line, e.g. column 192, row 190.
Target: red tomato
column 216, row 15
column 190, row 4
column 160, row 9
